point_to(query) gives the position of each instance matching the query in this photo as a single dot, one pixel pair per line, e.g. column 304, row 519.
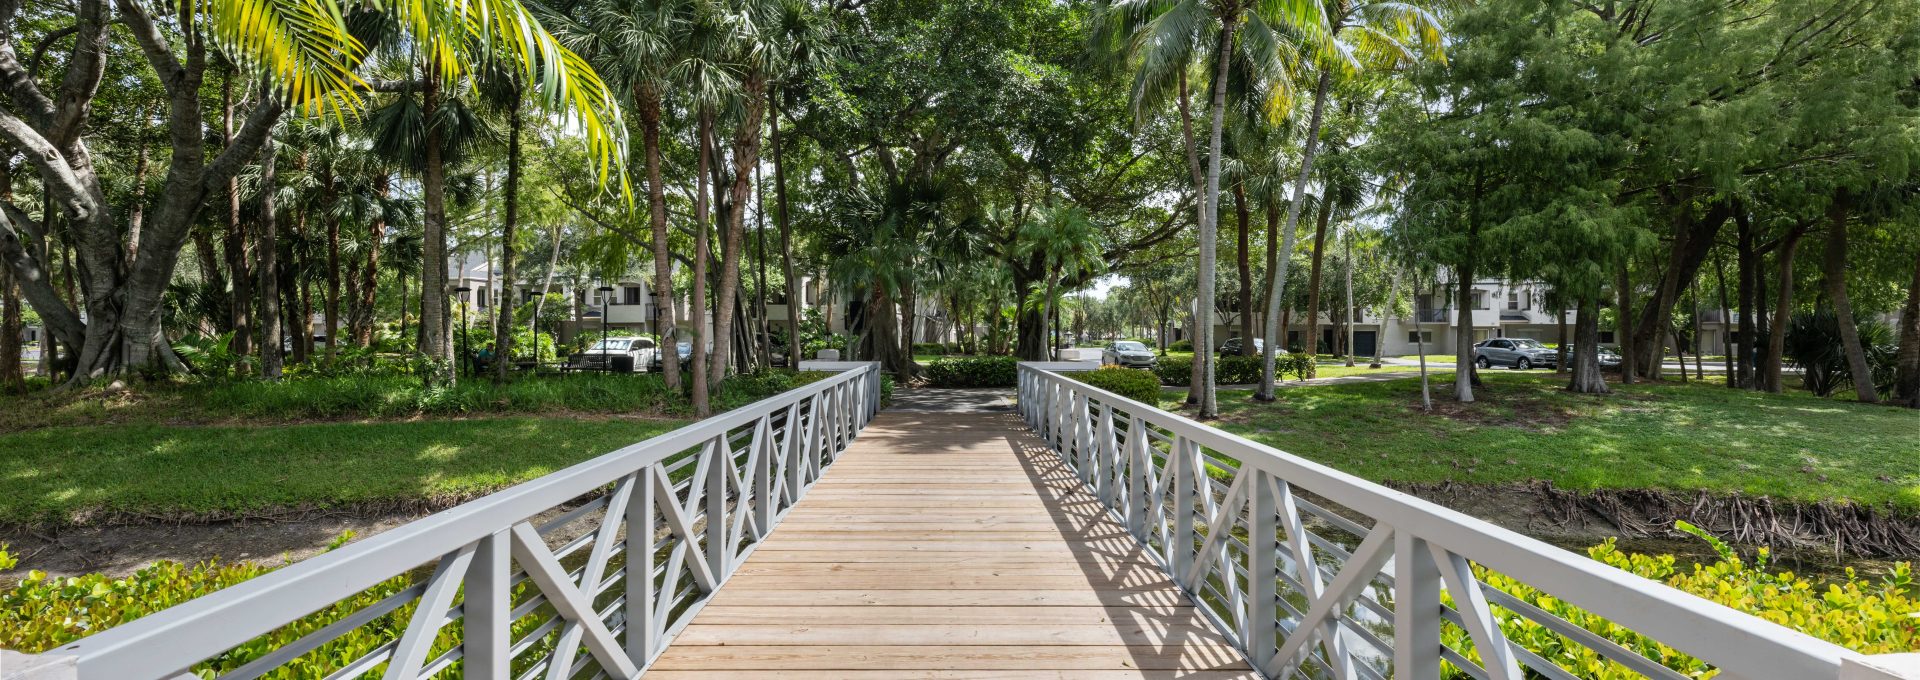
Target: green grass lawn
column 63, row 474
column 1669, row 436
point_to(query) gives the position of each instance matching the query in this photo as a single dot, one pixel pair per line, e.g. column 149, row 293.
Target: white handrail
column 1147, row 465
column 739, row 492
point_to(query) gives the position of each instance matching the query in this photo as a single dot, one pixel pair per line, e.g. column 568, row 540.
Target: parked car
column 1232, row 346
column 617, row 354
column 1609, row 357
column 684, row 349
column 1519, row 353
column 1127, row 353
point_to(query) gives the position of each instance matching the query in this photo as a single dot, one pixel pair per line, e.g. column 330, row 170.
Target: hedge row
column 1137, row 385
column 988, row 371
column 1234, row 369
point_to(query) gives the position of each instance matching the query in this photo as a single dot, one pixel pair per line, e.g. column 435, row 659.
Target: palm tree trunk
column 1283, row 258
column 509, row 223
column 433, row 260
column 1197, row 382
column 1210, row 225
column 332, row 301
column 370, row 281
column 647, row 101
column 1836, row 282
column 1312, row 334
column 1246, row 269
column 701, row 407
column 271, row 361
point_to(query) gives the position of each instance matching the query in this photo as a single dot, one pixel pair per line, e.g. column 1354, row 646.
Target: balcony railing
column 545, row 575
column 1306, row 568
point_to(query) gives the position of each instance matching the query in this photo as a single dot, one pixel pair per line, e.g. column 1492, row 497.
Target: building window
column 630, row 295
column 1513, row 300
column 483, row 296
column 1419, row 336
column 1480, row 300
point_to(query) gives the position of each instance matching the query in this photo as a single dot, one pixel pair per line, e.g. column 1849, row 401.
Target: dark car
column 1127, row 353
column 1232, row 346
column 684, row 349
column 1519, row 353
column 1609, row 357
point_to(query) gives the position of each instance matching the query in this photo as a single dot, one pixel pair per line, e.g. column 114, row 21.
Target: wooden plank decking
column 949, row 545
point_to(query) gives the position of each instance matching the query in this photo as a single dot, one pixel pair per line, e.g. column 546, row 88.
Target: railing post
column 1263, row 572
column 485, row 612
column 1416, row 609
column 1104, row 456
column 762, row 457
column 1083, row 438
column 641, row 627
column 1186, row 481
column 1139, row 469
column 718, row 552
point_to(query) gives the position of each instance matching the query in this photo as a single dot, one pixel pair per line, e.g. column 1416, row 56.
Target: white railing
column 1349, row 582
column 541, row 579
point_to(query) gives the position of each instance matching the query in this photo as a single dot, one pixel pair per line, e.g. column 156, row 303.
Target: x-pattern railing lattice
column 1387, row 587
column 662, row 523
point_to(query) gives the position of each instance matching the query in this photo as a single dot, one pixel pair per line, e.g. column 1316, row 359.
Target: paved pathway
column 948, row 543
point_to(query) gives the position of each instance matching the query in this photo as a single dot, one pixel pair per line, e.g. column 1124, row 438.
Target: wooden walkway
column 949, row 545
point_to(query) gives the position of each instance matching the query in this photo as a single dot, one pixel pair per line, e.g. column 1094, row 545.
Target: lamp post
column 606, row 303
column 466, row 355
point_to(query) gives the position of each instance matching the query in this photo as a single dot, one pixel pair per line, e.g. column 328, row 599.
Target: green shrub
column 1175, row 371
column 987, row 371
column 1132, row 383
column 1180, row 346
column 1297, row 364
column 930, row 348
column 1813, row 344
column 1234, row 369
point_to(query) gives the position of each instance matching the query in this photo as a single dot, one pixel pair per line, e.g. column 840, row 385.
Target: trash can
column 620, row 363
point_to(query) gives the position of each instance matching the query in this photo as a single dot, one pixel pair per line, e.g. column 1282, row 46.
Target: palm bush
column 1813, row 345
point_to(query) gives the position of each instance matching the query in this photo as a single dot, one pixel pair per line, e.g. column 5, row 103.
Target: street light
column 606, row 302
column 466, row 355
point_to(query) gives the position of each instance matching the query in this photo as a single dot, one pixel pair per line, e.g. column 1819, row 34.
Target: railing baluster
column 1188, row 482
column 1104, row 456
column 485, row 625
column 642, row 629
column 1263, row 574
column 1416, row 609
column 428, row 616
column 718, row 471
column 1139, row 469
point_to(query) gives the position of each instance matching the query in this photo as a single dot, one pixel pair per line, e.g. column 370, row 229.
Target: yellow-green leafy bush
column 1872, row 617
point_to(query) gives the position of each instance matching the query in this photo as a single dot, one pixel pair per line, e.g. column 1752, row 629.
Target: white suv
column 607, row 355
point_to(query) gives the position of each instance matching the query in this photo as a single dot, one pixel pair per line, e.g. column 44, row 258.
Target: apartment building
column 1496, row 309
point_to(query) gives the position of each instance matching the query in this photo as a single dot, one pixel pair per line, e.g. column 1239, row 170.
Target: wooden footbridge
column 1063, row 532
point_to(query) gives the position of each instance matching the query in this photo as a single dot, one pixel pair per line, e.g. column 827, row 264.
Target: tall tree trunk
column 1587, row 378
column 12, row 326
column 1907, row 378
column 701, row 337
column 1246, row 268
column 370, row 275
column 271, row 361
column 331, row 299
column 1836, row 283
column 1770, row 365
column 1560, row 364
column 1747, row 263
column 1312, row 334
column 647, row 102
column 433, row 250
column 1465, row 374
column 1277, row 276
column 1623, row 324
column 746, row 155
column 240, row 299
column 1726, row 321
column 509, row 224
column 796, row 309
column 1346, row 313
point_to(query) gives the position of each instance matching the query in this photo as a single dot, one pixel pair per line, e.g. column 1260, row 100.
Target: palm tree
column 1364, row 35
column 1161, row 41
column 634, row 43
column 1069, row 246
